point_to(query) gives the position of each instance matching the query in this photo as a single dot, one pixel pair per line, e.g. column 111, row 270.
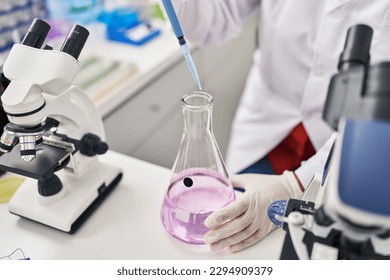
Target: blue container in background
column 124, row 25
column 75, row 11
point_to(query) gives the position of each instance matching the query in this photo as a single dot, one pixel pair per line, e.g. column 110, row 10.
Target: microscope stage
column 41, row 168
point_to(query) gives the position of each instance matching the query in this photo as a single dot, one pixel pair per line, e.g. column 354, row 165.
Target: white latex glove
column 245, row 221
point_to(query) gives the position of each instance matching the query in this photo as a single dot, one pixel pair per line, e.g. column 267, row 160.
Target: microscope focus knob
column 92, row 145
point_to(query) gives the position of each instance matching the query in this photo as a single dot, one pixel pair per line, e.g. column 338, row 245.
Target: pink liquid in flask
column 185, row 207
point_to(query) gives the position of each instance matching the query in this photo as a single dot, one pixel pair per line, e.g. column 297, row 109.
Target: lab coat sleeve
column 212, row 22
column 316, row 163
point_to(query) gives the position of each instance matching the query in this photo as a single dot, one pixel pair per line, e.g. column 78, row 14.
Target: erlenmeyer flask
column 199, row 184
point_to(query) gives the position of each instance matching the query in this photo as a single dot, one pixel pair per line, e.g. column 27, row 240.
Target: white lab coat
column 300, row 43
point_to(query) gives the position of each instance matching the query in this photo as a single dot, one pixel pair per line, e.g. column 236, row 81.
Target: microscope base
column 80, row 197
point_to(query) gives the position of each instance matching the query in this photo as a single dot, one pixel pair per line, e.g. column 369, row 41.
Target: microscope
column 55, row 135
column 349, row 217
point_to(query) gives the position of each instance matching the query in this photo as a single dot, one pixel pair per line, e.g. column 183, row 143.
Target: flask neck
column 196, row 120
column 197, row 111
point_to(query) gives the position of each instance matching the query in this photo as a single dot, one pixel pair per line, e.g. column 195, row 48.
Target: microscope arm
column 75, row 112
column 77, row 117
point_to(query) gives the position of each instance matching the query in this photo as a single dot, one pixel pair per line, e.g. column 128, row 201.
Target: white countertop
column 126, row 226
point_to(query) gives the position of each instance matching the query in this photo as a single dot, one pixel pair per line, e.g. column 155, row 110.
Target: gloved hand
column 245, row 222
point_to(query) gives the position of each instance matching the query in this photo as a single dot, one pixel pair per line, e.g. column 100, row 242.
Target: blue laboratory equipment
column 124, row 25
column 276, row 211
column 80, row 11
column 180, row 36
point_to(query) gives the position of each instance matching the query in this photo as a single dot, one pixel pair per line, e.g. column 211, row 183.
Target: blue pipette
column 180, row 36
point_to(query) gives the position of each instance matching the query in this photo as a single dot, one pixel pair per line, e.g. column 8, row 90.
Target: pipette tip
column 191, row 65
column 198, row 84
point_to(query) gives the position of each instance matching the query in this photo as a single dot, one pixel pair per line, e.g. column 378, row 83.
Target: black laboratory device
column 358, row 107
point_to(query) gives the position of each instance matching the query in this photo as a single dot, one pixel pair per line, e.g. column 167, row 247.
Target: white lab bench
column 127, row 225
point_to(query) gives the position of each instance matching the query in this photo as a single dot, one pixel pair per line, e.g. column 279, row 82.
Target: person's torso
column 300, row 44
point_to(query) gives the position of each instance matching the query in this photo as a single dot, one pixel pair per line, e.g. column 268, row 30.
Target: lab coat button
column 337, row 14
column 319, row 72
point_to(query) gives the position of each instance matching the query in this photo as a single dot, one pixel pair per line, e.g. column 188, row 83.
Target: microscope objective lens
column 27, row 147
column 8, row 141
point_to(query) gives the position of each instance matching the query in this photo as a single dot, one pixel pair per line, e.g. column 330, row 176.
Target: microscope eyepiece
column 357, row 47
column 36, row 34
column 75, row 41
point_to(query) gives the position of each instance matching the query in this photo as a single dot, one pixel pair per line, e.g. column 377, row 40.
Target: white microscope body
column 59, row 130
